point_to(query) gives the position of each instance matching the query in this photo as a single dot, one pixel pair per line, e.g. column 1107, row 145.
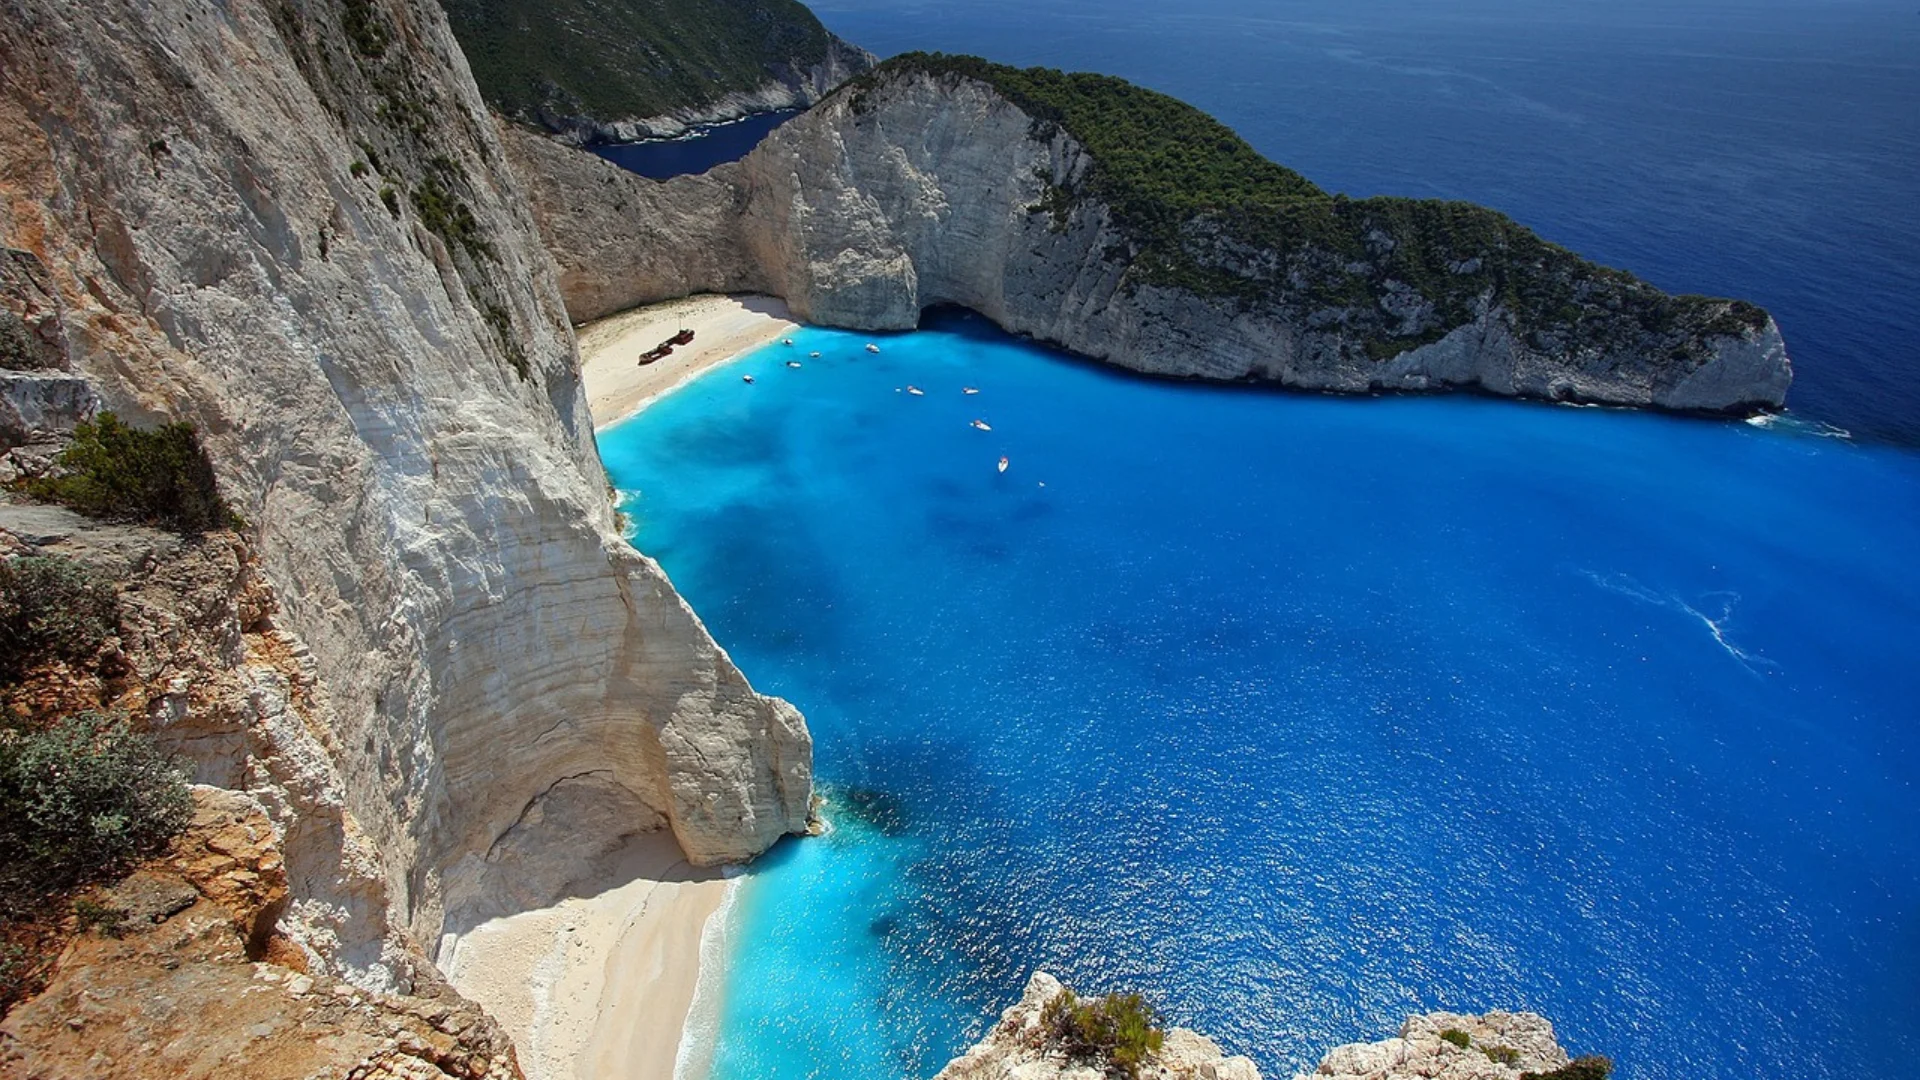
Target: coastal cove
column 1298, row 713
column 1202, row 541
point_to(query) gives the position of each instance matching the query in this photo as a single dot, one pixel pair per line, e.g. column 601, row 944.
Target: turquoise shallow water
column 1303, row 713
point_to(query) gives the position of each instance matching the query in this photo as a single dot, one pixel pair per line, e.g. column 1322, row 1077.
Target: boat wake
column 1716, row 624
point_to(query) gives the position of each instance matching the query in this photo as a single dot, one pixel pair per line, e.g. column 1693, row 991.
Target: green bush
column 159, row 477
column 1504, row 1055
column 1593, row 1067
column 79, row 800
column 1457, row 1037
column 50, row 608
column 1118, row 1031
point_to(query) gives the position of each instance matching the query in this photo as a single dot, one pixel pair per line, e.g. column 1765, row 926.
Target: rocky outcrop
column 1450, row 1046
column 912, row 188
column 185, row 981
column 1020, row 1048
column 289, row 223
column 1436, row 1046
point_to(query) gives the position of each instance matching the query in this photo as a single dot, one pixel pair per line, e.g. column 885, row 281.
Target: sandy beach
column 598, row 987
column 723, row 328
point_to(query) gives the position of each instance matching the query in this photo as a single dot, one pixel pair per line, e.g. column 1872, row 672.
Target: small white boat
column 969, row 389
column 786, row 341
column 1003, row 464
column 982, row 425
column 746, row 378
column 793, row 363
column 916, row 391
column 871, row 347
column 815, row 355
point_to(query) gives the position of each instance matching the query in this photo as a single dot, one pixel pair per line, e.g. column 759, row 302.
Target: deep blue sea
column 1302, row 714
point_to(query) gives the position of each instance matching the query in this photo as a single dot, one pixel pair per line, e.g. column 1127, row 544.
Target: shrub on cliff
column 50, row 608
column 1118, row 1032
column 160, row 477
column 83, row 798
column 1593, row 1067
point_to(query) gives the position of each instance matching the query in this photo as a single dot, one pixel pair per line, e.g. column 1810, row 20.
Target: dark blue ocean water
column 1301, row 714
column 700, row 150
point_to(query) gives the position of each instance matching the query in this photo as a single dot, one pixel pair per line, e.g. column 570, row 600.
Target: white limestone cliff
column 304, row 240
column 919, row 189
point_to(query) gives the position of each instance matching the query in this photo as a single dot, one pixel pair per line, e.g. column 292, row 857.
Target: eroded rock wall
column 291, row 224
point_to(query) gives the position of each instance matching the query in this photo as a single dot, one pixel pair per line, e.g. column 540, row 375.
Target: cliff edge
column 289, row 223
column 1128, row 227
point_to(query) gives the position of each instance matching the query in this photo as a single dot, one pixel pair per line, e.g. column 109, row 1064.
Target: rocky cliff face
column 912, row 188
column 290, row 223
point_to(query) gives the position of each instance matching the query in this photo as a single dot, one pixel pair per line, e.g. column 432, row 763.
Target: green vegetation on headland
column 149, row 477
column 542, row 60
column 1202, row 210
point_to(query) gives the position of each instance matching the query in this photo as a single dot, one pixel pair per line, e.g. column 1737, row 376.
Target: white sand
column 598, row 987
column 723, row 328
